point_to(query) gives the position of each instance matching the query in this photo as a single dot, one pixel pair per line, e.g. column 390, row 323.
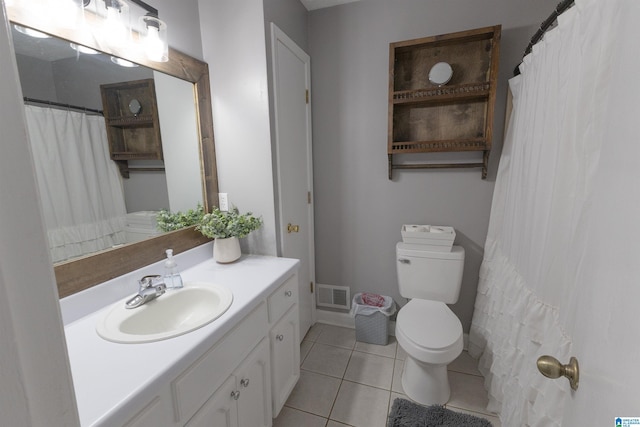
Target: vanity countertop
column 112, row 379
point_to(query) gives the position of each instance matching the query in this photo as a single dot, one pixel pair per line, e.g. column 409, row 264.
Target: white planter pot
column 226, row 250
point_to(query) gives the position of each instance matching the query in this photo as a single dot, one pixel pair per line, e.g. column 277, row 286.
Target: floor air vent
column 333, row 296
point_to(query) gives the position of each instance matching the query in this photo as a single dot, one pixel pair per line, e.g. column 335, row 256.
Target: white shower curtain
column 541, row 229
column 80, row 187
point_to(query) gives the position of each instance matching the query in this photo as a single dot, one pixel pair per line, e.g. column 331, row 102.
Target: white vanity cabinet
column 243, row 399
column 237, row 371
column 231, row 381
column 283, row 337
column 246, row 378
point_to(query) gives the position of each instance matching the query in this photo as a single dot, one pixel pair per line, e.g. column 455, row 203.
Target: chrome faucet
column 150, row 288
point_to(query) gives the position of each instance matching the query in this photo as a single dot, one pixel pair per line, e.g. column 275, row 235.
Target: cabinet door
column 285, row 357
column 254, row 384
column 221, row 409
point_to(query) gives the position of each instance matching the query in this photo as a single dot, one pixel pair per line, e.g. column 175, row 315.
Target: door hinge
column 306, row 95
column 309, row 197
column 311, row 287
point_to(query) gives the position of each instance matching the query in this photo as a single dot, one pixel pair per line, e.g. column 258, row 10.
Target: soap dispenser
column 171, row 276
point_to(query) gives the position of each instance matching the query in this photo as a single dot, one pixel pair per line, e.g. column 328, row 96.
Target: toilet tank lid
column 412, row 250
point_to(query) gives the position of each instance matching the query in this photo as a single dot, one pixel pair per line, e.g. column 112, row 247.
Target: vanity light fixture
column 66, row 13
column 153, row 33
column 155, row 43
column 116, row 28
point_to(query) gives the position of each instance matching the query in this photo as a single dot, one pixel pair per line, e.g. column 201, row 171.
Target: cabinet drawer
column 283, row 298
column 193, row 388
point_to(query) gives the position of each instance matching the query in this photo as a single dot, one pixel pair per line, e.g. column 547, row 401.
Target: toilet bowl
column 426, row 328
column 431, row 335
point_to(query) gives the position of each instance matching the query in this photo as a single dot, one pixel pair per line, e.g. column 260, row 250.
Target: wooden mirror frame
column 82, row 273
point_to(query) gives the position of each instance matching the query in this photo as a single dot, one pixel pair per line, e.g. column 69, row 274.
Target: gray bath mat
column 408, row 414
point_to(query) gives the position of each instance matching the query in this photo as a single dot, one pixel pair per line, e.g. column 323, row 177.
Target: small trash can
column 372, row 321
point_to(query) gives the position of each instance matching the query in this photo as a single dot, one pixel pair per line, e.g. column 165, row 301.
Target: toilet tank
column 429, row 275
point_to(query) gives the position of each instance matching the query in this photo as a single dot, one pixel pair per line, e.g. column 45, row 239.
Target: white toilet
column 426, row 328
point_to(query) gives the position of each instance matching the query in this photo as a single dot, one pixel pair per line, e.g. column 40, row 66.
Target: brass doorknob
column 550, row 367
column 292, row 228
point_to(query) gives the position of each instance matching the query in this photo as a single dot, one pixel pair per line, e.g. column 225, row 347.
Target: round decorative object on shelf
column 440, row 74
column 226, row 250
column 135, row 107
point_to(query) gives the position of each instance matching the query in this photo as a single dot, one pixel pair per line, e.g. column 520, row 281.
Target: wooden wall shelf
column 133, row 126
column 455, row 117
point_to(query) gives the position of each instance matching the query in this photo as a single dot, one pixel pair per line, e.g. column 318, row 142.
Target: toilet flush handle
column 404, row 261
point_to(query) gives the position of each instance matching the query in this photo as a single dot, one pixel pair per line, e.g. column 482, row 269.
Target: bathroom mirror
column 78, row 274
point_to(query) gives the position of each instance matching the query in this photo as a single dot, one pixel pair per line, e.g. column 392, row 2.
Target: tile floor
column 348, row 383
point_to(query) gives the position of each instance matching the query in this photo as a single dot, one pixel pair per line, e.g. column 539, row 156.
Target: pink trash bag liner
column 373, row 300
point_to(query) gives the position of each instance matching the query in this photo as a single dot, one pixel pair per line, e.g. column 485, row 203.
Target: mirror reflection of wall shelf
column 133, row 127
column 441, row 97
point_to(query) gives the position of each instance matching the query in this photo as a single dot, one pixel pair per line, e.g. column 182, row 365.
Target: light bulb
column 153, row 46
column 114, row 27
column 66, row 13
column 155, row 40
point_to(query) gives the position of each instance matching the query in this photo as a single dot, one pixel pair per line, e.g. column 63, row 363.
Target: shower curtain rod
column 546, row 24
column 59, row 104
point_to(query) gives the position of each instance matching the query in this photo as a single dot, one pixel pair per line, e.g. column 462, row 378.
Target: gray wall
column 291, row 17
column 36, row 78
column 183, row 24
column 233, row 43
column 358, row 211
column 78, row 80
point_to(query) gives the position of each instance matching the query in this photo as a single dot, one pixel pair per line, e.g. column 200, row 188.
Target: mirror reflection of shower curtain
column 80, row 187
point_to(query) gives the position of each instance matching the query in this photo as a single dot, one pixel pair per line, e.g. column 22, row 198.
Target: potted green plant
column 226, row 227
column 170, row 221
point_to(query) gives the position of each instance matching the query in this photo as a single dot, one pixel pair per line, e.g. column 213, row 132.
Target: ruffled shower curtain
column 80, row 187
column 542, row 225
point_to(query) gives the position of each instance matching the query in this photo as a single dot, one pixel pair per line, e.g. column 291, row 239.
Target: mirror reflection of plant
column 170, row 221
column 224, row 224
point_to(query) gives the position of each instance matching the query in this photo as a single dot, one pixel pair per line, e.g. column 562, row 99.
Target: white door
column 606, row 327
column 292, row 83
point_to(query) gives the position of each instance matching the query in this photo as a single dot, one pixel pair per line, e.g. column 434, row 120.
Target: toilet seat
column 429, row 331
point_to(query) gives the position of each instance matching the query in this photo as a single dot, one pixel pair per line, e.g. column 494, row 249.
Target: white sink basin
column 174, row 313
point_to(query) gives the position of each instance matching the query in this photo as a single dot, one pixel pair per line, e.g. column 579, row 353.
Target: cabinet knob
column 235, row 395
column 244, row 382
column 288, row 293
column 280, row 337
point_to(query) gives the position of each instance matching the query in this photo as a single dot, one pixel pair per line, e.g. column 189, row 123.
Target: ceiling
column 319, row 4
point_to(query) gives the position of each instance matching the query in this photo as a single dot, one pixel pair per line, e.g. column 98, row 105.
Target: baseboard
column 335, row 318
column 345, row 320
